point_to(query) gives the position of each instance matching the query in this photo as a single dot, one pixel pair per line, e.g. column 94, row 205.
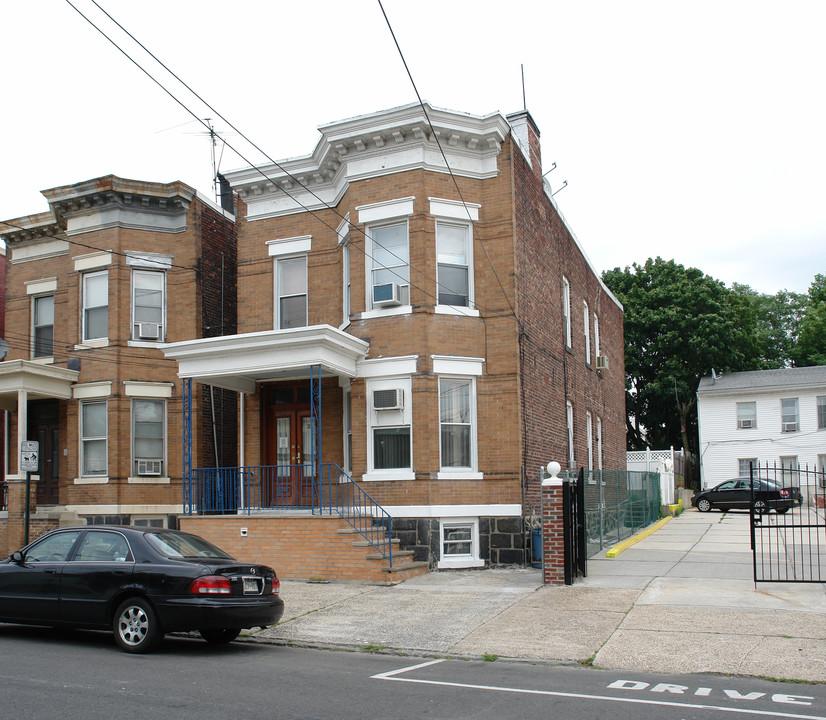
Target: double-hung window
column 93, row 438
column 789, row 415
column 597, row 346
column 569, row 409
column 43, row 326
column 590, row 440
column 744, row 466
column 148, row 305
column 456, row 427
column 390, row 265
column 453, row 252
column 747, row 415
column 291, row 292
column 148, row 436
column 821, row 413
column 586, row 325
column 599, row 443
column 566, row 310
column 96, row 305
column 390, row 417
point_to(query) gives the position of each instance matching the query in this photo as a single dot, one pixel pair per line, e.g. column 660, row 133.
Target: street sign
column 29, row 455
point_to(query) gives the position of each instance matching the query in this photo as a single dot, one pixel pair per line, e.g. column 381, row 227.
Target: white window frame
column 586, row 327
column 599, row 443
column 820, row 408
column 164, row 473
column 346, row 283
column 464, row 560
column 371, row 268
column 84, row 439
column 468, row 266
column 789, row 470
column 589, row 427
column 35, row 300
column 402, row 418
column 162, row 324
column 566, row 310
column 569, row 409
column 85, row 308
column 278, row 296
column 747, row 410
column 784, row 413
column 469, row 471
column 743, row 465
column 597, row 346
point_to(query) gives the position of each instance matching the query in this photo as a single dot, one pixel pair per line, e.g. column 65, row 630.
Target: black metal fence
column 618, row 504
column 788, row 524
column 574, row 530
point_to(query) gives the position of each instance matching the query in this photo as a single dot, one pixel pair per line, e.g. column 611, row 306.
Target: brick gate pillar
column 553, row 530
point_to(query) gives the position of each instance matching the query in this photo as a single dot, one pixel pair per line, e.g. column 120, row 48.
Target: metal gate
column 788, row 523
column 573, row 509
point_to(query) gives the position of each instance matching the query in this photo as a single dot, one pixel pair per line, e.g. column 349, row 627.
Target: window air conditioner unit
column 386, row 295
column 746, row 424
column 790, row 427
column 149, row 331
column 602, row 362
column 388, row 399
column 149, row 467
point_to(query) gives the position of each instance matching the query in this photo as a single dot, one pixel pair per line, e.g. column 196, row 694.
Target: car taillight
column 276, row 586
column 210, row 585
column 784, row 492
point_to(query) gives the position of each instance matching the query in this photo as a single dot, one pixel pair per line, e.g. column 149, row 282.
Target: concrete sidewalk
column 681, row 600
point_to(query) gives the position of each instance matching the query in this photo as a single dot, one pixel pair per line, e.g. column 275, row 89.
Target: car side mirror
column 17, row 556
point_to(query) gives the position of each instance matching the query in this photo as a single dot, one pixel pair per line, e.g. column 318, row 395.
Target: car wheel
column 136, row 626
column 761, row 506
column 220, row 636
column 704, row 504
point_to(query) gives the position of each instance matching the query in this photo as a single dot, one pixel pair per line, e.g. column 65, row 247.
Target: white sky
column 695, row 131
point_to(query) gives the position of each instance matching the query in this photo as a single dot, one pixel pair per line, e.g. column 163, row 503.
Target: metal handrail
column 292, row 487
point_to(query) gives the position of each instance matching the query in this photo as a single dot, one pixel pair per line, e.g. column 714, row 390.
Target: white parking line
column 394, row 675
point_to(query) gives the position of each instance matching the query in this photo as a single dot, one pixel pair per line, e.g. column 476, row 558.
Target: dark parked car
column 138, row 582
column 737, row 494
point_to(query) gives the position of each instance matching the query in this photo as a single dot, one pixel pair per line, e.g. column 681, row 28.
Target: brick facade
column 115, row 226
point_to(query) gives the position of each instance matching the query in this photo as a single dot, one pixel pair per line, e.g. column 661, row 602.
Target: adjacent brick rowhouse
column 116, row 227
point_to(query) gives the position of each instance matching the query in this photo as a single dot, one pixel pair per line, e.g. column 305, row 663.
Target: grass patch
column 490, row 657
column 369, row 647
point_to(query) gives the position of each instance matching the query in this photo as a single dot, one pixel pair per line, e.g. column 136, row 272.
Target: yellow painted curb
column 625, row 544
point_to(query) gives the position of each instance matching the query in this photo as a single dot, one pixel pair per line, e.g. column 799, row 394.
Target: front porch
column 309, row 516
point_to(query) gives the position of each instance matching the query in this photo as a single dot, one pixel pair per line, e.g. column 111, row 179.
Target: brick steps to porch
column 306, row 548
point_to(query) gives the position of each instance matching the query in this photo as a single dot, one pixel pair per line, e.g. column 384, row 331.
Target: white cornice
column 382, row 143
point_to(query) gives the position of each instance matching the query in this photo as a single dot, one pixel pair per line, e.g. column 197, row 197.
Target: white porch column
column 22, row 425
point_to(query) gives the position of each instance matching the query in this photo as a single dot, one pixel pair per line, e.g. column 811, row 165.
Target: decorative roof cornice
column 30, row 228
column 91, row 196
column 381, row 143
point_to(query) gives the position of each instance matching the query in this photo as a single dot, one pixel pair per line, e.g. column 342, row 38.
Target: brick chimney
column 527, row 136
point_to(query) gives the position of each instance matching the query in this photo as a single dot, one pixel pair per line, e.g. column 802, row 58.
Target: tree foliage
column 777, row 324
column 679, row 324
column 810, row 348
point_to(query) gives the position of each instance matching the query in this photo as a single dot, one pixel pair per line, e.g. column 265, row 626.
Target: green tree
column 679, row 324
column 777, row 324
column 811, row 341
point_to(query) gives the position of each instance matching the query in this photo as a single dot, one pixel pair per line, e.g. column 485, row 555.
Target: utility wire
column 252, row 144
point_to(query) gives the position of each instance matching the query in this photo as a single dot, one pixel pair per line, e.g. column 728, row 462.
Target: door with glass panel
column 291, row 443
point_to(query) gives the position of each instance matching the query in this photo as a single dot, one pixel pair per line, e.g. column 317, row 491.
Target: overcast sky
column 694, row 131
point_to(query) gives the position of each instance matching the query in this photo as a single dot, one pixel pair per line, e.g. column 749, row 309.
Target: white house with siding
column 775, row 417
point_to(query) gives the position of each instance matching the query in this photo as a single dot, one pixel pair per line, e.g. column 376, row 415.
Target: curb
column 625, row 544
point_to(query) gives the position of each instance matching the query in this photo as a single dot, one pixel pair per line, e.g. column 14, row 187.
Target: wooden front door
column 43, row 427
column 288, row 447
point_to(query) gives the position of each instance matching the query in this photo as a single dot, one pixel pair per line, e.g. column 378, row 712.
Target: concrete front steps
column 305, row 547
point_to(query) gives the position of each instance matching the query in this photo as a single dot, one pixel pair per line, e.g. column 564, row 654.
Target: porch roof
column 239, row 362
column 38, row 380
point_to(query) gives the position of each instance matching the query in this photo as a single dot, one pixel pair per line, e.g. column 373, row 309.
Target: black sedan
column 138, row 582
column 737, row 494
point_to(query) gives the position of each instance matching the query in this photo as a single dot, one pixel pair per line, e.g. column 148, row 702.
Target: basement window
column 459, row 543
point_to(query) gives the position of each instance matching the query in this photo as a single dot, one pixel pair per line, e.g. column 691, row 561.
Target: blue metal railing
column 232, row 490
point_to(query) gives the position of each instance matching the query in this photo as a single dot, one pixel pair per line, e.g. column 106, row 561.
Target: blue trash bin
column 536, row 548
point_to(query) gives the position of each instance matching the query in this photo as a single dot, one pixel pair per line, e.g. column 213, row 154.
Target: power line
column 256, row 147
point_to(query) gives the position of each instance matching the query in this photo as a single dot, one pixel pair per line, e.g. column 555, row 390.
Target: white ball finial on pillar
column 553, row 469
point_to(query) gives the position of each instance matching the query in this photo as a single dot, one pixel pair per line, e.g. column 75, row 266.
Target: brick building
column 95, row 286
column 416, row 317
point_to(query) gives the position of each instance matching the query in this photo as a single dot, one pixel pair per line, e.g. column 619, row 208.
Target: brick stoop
column 305, row 547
